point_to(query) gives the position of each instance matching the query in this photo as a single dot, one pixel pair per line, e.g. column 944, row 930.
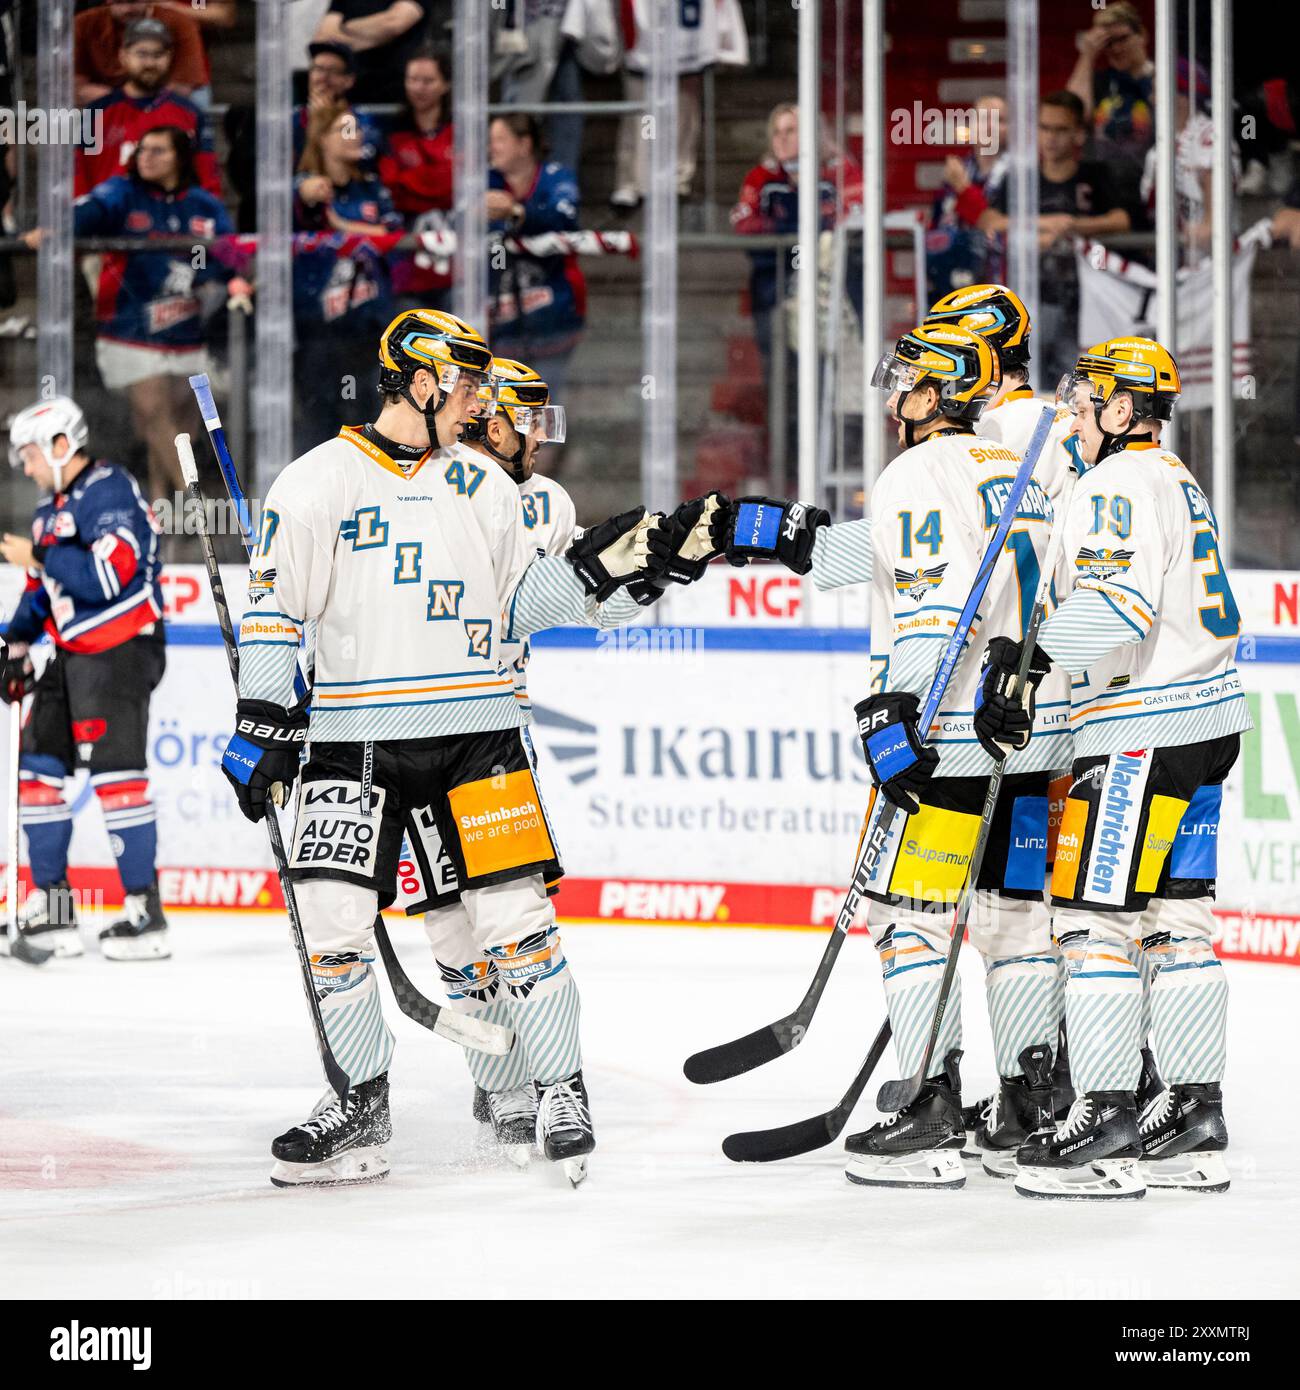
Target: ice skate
column 141, row 933
column 1092, row 1156
column 1183, row 1138
column 918, row 1146
column 512, row 1115
column 47, row 920
column 337, row 1147
column 564, row 1130
column 1021, row 1106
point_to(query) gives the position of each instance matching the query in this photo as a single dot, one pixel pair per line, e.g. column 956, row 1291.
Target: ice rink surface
column 138, row 1102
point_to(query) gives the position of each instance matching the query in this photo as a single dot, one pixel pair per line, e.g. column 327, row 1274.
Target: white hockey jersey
column 1150, row 625
column 933, row 512
column 408, row 571
column 1012, row 422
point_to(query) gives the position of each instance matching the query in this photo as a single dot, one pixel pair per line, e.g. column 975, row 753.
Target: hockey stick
column 768, row 1145
column 19, row 947
column 770, row 1042
column 894, row 1095
column 334, row 1073
column 464, row 1029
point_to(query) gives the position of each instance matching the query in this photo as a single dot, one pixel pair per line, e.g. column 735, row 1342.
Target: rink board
column 705, row 770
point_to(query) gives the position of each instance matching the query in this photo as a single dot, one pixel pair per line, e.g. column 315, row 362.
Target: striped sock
column 474, row 989
column 350, row 1009
column 1103, row 1012
column 1189, row 999
column 912, row 959
column 1024, row 1009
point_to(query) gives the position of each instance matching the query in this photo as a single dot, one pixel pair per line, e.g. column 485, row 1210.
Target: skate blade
column 936, row 1168
column 63, row 942
column 349, row 1169
column 155, row 946
column 1000, row 1163
column 575, row 1169
column 1103, row 1180
column 1192, row 1172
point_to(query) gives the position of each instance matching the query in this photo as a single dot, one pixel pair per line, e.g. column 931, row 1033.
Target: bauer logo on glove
column 900, row 763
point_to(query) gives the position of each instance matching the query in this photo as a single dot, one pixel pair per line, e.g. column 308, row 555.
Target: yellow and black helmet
column 960, row 364
column 1141, row 366
column 996, row 313
column 518, row 393
column 435, row 341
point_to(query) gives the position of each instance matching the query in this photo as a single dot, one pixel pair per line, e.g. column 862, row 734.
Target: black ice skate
column 1091, row 1156
column 141, row 934
column 918, row 1146
column 1021, row 1106
column 512, row 1115
column 1183, row 1137
column 564, row 1130
column 337, row 1147
column 47, row 920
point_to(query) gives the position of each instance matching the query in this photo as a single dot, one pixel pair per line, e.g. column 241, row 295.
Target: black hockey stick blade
column 470, row 1032
column 769, row 1145
column 21, row 949
column 744, row 1054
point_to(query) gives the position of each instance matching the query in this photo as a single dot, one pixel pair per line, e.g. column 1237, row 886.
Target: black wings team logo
column 917, row 585
column 1102, row 564
column 260, row 584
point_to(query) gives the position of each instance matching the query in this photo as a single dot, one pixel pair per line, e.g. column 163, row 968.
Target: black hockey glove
column 17, row 675
column 264, row 753
column 765, row 528
column 1003, row 721
column 611, row 554
column 683, row 542
column 899, row 762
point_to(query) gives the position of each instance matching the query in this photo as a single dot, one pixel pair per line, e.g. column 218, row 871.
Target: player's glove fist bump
column 1004, row 712
column 900, row 763
column 683, row 542
column 613, row 553
column 264, row 753
column 767, row 528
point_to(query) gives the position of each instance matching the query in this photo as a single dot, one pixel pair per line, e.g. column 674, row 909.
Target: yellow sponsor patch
column 1158, row 840
column 934, row 856
column 500, row 823
column 1069, row 847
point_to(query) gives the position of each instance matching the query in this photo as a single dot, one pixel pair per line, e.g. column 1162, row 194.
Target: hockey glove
column 263, row 753
column 899, row 762
column 682, row 543
column 1003, row 721
column 611, row 554
column 768, row 529
column 17, row 675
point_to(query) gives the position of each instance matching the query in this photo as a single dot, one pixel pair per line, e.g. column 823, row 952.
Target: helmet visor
column 539, row 424
column 1075, row 391
column 481, row 388
column 894, row 374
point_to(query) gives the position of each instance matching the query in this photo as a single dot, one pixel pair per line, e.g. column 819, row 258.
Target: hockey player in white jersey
column 932, row 512
column 519, row 418
column 1149, row 632
column 405, row 547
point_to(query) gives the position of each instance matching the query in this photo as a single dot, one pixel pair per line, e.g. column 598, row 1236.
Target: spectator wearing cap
column 416, row 168
column 383, row 34
column 341, row 284
column 97, row 42
column 1114, row 78
column 331, row 76
column 143, row 101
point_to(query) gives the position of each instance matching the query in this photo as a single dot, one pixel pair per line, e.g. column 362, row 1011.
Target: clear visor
column 481, row 388
column 893, row 374
column 539, row 424
column 1075, row 392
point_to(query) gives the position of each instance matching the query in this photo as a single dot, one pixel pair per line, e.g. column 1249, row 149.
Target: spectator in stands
column 769, row 205
column 330, row 79
column 341, row 288
column 1286, row 227
column 1076, row 198
column 143, row 101
column 383, row 33
column 149, row 324
column 1114, row 78
column 416, row 168
column 97, row 42
column 303, row 18
column 956, row 252
column 538, row 303
column 716, row 36
column 535, row 62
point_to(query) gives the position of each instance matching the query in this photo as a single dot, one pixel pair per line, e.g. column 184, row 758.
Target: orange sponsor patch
column 1057, row 791
column 500, row 823
column 1069, row 847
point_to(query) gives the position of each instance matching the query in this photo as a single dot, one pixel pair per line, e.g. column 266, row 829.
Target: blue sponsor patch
column 241, row 758
column 1027, row 852
column 757, row 526
column 891, row 753
column 1196, row 846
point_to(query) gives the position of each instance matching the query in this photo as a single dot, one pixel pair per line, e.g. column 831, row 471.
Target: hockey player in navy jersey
column 92, row 587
